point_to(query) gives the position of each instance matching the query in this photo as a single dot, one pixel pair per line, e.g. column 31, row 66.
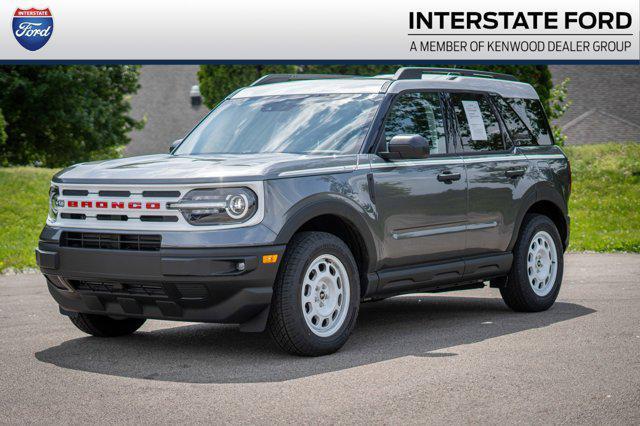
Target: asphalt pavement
column 458, row 357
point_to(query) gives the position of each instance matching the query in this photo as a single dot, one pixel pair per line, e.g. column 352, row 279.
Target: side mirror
column 406, row 147
column 174, row 145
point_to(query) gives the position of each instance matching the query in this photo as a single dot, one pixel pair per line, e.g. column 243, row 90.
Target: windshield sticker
column 474, row 118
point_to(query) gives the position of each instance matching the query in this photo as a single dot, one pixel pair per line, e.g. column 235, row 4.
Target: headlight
column 54, row 203
column 217, row 206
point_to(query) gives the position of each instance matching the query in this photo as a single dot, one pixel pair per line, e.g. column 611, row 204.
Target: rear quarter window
column 532, row 114
column 518, row 131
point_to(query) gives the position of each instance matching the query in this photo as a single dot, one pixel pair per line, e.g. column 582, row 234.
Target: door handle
column 514, row 173
column 448, row 177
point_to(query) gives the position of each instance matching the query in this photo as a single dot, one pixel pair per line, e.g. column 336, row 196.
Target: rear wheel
column 316, row 295
column 536, row 275
column 103, row 326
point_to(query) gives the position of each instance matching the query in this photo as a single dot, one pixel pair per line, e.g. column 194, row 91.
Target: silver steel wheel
column 325, row 295
column 542, row 263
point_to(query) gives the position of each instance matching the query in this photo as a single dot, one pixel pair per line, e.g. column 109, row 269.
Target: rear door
column 495, row 173
column 421, row 203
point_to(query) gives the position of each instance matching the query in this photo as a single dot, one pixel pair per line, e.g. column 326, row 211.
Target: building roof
column 604, row 103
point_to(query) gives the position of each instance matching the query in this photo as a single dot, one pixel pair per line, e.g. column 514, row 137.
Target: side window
column 532, row 113
column 477, row 123
column 420, row 114
column 518, row 131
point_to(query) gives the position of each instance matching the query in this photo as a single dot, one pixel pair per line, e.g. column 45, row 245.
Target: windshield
column 316, row 124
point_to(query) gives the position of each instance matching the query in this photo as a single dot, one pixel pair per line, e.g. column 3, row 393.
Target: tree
column 57, row 115
column 217, row 81
column 3, row 133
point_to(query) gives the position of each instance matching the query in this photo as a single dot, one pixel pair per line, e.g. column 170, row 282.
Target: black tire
column 517, row 292
column 286, row 322
column 103, row 326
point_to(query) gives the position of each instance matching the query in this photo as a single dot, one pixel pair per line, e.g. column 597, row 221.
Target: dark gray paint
column 412, row 200
column 494, row 197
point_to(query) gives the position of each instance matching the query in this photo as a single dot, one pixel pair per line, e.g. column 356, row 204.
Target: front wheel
column 316, row 295
column 536, row 274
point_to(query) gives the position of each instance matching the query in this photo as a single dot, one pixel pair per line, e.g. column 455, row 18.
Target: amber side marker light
column 270, row 258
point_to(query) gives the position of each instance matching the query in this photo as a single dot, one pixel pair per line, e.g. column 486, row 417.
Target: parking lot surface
column 453, row 357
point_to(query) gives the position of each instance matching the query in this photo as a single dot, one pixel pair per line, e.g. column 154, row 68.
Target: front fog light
column 217, row 206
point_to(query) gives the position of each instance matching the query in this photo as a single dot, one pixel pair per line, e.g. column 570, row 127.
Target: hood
column 167, row 168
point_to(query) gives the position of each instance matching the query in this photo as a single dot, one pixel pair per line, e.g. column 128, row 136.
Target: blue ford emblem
column 33, row 27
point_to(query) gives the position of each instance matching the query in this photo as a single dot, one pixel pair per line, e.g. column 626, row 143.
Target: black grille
column 76, row 192
column 170, row 194
column 124, row 194
column 78, row 216
column 119, row 217
column 150, row 218
column 94, row 240
column 152, row 289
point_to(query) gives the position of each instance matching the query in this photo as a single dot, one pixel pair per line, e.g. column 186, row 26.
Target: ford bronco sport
column 301, row 196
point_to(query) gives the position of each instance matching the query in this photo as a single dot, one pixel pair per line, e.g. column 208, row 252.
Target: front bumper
column 221, row 285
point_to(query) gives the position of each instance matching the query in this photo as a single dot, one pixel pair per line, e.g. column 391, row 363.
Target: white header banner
column 330, row 30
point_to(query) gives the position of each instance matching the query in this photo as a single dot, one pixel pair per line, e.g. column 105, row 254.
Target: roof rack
column 415, row 73
column 405, row 73
column 281, row 78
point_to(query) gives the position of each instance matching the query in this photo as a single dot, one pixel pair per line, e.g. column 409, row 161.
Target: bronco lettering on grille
column 132, row 205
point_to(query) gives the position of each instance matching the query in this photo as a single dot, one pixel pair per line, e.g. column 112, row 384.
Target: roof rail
column 415, row 73
column 405, row 73
column 281, row 78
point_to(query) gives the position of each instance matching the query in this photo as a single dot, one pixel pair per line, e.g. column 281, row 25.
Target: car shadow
column 398, row 327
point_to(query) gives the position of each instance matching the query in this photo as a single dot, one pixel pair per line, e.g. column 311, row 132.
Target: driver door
column 421, row 203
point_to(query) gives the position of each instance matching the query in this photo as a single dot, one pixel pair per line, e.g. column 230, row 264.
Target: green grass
column 24, row 197
column 605, row 200
column 604, row 206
